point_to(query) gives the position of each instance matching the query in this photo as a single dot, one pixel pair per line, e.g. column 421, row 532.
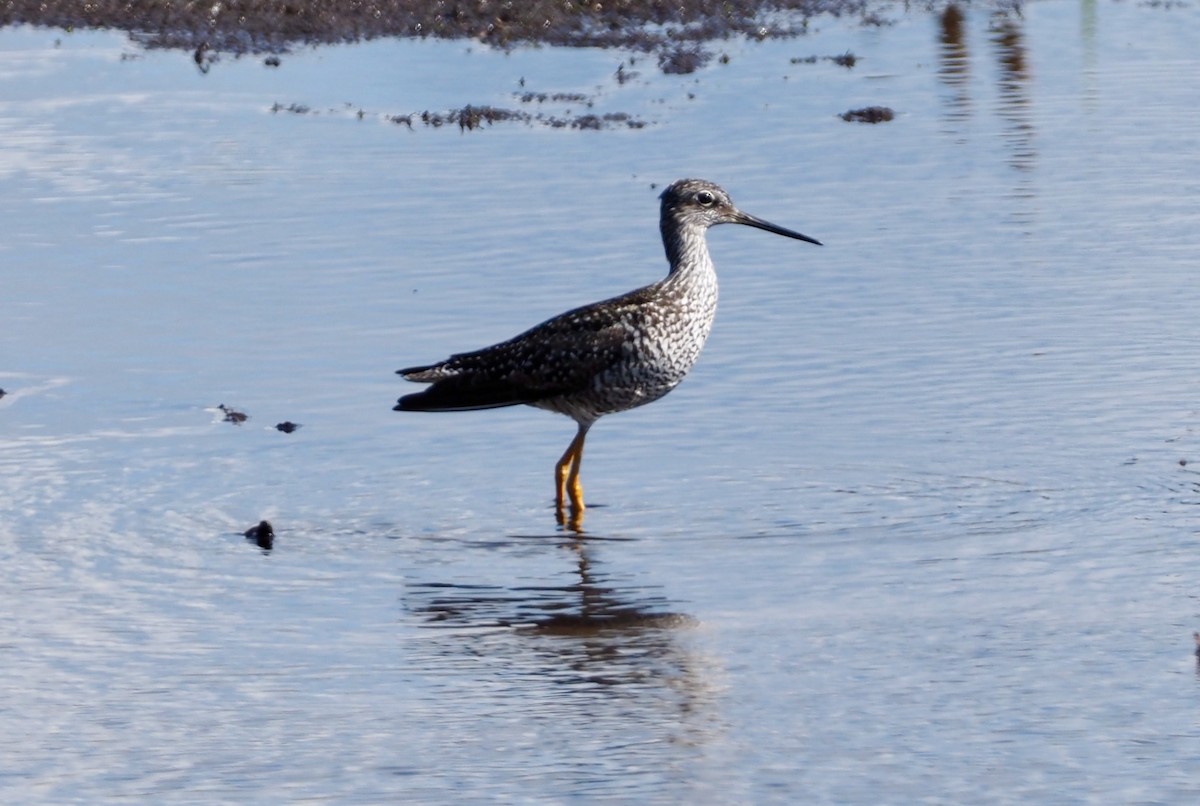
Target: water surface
column 921, row 521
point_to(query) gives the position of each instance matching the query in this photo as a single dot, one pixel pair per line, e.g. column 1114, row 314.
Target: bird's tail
column 428, row 374
column 453, row 391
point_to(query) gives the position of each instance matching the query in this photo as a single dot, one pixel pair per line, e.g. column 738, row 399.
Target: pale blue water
column 917, row 527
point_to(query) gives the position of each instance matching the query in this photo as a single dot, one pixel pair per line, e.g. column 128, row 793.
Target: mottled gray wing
column 560, row 356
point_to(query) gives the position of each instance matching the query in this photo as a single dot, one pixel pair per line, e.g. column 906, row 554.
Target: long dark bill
column 752, row 221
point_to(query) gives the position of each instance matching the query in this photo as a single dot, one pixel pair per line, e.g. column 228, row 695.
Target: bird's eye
column 706, row 198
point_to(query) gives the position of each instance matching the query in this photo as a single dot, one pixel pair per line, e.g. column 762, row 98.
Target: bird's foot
column 570, row 517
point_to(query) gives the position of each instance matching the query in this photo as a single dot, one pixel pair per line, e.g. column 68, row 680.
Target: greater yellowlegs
column 608, row 356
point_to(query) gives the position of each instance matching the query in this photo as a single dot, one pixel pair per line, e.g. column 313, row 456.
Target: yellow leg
column 574, row 488
column 566, row 474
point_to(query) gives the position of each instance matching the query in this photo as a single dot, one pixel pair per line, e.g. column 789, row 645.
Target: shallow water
column 921, row 521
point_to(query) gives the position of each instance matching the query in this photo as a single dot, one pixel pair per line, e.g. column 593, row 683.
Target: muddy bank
column 675, row 31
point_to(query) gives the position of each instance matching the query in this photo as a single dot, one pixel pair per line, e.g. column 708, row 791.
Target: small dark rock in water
column 287, row 426
column 232, row 415
column 869, row 114
column 263, row 535
column 1, row 393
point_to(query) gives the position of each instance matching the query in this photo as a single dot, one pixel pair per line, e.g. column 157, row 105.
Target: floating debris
column 683, row 60
column 295, row 109
column 263, row 535
column 471, row 117
column 554, row 97
column 605, row 121
column 869, row 114
column 232, row 415
column 847, row 60
column 204, row 57
column 287, row 426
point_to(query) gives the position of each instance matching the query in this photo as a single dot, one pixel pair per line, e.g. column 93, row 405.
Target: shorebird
column 605, row 357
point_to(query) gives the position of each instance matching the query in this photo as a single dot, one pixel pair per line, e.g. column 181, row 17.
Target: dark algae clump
column 869, row 114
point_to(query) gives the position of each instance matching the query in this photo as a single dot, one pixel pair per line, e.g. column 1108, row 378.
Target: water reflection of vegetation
column 955, row 69
column 1014, row 86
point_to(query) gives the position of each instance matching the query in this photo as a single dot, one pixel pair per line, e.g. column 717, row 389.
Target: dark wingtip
column 411, row 402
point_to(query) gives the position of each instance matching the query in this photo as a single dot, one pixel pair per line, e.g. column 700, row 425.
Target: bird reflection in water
column 586, row 607
column 592, row 637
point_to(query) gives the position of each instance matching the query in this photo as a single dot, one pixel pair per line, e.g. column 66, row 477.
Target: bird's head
column 699, row 204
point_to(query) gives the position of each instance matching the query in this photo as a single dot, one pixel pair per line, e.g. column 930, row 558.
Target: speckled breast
column 663, row 341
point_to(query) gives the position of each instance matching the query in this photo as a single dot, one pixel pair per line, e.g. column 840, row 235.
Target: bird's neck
column 687, row 252
column 692, row 279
